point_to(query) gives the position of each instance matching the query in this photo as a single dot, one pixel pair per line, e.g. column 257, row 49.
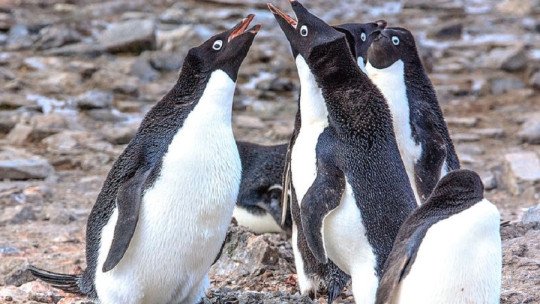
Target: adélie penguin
column 449, row 250
column 352, row 191
column 170, row 195
column 424, row 143
column 259, row 201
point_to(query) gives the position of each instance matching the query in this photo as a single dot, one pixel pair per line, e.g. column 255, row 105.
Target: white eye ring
column 303, row 31
column 217, row 45
column 395, row 40
column 363, row 36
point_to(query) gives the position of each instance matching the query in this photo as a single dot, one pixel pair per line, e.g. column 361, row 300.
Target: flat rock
column 465, row 137
column 532, row 215
column 133, row 36
column 530, row 131
column 19, row 134
column 447, row 31
column 522, row 173
column 17, row 165
column 467, row 122
column 489, row 132
column 502, row 84
column 120, row 135
column 489, row 180
column 507, row 59
column 165, row 61
column 94, row 99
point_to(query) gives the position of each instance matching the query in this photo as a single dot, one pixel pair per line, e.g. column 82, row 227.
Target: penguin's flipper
column 128, row 201
column 65, row 282
column 323, row 196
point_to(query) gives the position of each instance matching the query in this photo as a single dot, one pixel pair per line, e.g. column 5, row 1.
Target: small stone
column 94, row 99
column 132, row 36
column 532, row 215
column 467, row 122
column 530, row 131
column 522, row 172
column 120, row 135
column 143, row 70
column 489, row 180
column 501, row 85
column 448, row 31
column 55, row 36
column 165, row 61
column 250, row 122
column 19, row 276
column 507, row 59
column 8, row 120
column 18, row 165
column 19, row 134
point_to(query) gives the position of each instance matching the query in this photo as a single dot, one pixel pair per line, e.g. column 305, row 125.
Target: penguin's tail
column 65, row 282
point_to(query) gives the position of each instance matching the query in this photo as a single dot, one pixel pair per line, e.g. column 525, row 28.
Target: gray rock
column 179, row 40
column 91, row 50
column 23, row 166
column 489, row 180
column 55, row 36
column 8, row 120
column 501, row 85
column 48, row 124
column 532, row 215
column 165, row 61
column 522, row 173
column 530, row 131
column 465, row 137
column 507, row 59
column 143, row 70
column 94, row 99
column 447, row 31
column 18, row 37
column 19, row 134
column 490, row 132
column 18, row 276
column 467, row 122
column 120, row 135
column 132, row 36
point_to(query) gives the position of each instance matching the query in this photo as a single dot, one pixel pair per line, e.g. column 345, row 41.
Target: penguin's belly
column 410, row 153
column 458, row 262
column 182, row 223
column 258, row 223
column 345, row 238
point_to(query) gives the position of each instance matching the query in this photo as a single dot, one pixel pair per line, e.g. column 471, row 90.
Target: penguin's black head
column 457, row 187
column 360, row 36
column 390, row 45
column 224, row 51
column 306, row 34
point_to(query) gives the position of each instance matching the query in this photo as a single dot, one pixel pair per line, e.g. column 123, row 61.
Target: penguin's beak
column 241, row 27
column 381, row 24
column 280, row 15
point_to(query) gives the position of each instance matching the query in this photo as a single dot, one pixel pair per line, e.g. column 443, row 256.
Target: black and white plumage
column 350, row 189
column 170, row 195
column 422, row 136
column 449, row 250
column 259, row 201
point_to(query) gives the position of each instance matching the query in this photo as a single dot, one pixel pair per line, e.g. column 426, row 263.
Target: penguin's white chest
column 391, row 83
column 459, row 261
column 185, row 214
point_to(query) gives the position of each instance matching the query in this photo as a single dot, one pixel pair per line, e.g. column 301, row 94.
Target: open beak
column 381, row 24
column 241, row 27
column 276, row 11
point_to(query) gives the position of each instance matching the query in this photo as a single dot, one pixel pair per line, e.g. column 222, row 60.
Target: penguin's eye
column 217, row 45
column 395, row 40
column 303, row 31
column 363, row 36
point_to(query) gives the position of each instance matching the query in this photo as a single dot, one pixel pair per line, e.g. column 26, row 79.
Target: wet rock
column 522, row 173
column 143, row 70
column 55, row 36
column 18, row 165
column 447, row 31
column 530, row 131
column 94, row 99
column 507, row 59
column 532, row 215
column 500, row 85
column 133, row 36
column 165, row 61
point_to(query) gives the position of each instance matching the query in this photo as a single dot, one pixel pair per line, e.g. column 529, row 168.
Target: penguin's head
column 457, row 187
column 224, row 51
column 359, row 36
column 308, row 33
column 390, row 45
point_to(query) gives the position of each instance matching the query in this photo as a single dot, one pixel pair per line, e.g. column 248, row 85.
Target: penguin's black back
column 146, row 149
column 454, row 193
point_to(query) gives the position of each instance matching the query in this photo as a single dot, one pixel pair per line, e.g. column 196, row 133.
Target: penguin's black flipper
column 128, row 201
column 428, row 167
column 323, row 196
column 65, row 282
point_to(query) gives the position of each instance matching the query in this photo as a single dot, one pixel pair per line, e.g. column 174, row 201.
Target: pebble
column 530, row 131
column 20, row 165
column 522, row 172
column 532, row 215
column 503, row 84
column 133, row 36
column 94, row 99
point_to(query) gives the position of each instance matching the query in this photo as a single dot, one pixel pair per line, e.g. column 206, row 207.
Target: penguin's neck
column 217, row 97
column 312, row 105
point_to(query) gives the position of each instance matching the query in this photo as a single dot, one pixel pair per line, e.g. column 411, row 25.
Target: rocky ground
column 77, row 76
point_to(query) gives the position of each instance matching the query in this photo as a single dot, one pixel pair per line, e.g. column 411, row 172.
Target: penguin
column 258, row 206
column 349, row 186
column 449, row 250
column 359, row 36
column 170, row 195
column 421, row 132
